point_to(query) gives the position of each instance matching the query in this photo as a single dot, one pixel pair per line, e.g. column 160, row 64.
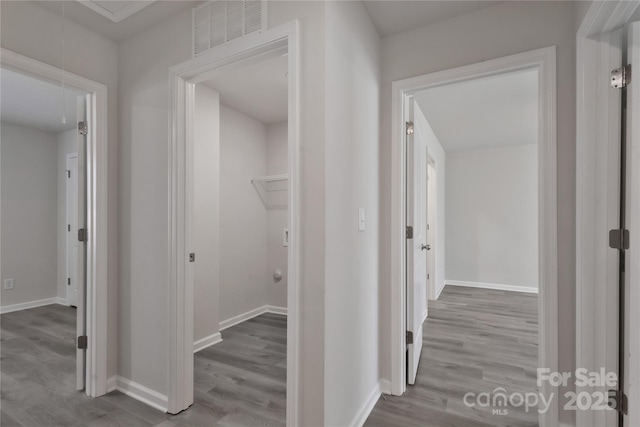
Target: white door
column 72, row 227
column 416, row 212
column 80, row 256
column 632, row 276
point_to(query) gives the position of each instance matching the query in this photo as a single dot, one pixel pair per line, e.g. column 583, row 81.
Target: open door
column 431, row 224
column 631, row 373
column 73, row 246
column 81, row 252
column 416, row 212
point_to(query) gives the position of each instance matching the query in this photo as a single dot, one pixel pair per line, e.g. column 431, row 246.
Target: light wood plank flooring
column 475, row 340
column 239, row 382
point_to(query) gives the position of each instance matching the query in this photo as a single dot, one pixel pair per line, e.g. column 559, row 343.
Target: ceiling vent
column 219, row 21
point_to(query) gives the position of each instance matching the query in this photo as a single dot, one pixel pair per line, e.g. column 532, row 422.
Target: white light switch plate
column 8, row 283
column 361, row 219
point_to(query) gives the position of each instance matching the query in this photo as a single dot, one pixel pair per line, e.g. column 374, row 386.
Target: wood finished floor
column 238, row 382
column 474, row 340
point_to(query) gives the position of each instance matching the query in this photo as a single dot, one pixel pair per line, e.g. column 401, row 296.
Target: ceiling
column 258, row 89
column 487, row 112
column 118, row 20
column 35, row 103
column 393, row 17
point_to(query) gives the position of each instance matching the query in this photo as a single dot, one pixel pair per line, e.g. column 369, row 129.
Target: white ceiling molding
column 116, row 11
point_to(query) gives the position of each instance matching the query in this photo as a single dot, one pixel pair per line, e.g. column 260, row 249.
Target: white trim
column 121, row 14
column 182, row 80
column 545, row 61
column 385, row 386
column 143, row 394
column 235, row 320
column 364, row 412
column 97, row 191
column 497, row 286
column 597, row 50
column 112, row 384
column 206, row 342
column 276, row 310
column 32, row 304
column 440, row 289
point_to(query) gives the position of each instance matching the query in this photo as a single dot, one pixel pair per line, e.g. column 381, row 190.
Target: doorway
column 87, row 105
column 542, row 60
column 184, row 78
column 240, row 223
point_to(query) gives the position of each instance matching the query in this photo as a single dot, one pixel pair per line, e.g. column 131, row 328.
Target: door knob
column 425, row 247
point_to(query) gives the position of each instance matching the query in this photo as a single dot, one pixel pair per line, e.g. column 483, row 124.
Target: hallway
column 475, row 340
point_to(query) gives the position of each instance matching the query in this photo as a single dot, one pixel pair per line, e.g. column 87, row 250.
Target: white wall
column 492, row 215
column 33, row 31
column 277, row 216
column 243, row 216
column 352, row 182
column 29, row 213
column 437, row 153
column 144, row 61
column 67, row 143
column 206, row 212
column 502, row 29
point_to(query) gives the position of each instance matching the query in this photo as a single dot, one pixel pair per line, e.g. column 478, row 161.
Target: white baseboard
column 385, row 386
column 32, row 304
column 142, row 393
column 112, row 384
column 440, row 289
column 365, row 410
column 250, row 315
column 205, row 342
column 275, row 310
column 500, row 287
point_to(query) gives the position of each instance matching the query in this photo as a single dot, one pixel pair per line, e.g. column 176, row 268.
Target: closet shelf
column 265, row 185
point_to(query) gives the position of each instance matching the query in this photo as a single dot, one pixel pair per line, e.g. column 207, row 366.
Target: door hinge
column 618, row 401
column 619, row 239
column 82, row 128
column 409, row 128
column 82, row 235
column 192, row 257
column 83, row 342
column 621, row 77
column 68, row 227
column 428, row 276
column 68, row 280
column 409, row 232
column 68, row 174
column 409, row 337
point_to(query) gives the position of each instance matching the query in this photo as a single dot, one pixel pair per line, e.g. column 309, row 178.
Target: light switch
column 361, row 219
column 8, row 283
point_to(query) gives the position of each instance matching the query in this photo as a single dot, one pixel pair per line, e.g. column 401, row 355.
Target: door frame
column 595, row 312
column 544, row 60
column 96, row 272
column 182, row 81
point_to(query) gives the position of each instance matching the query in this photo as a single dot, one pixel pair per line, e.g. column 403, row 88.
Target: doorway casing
column 182, row 81
column 544, row 60
column 96, row 222
column 598, row 50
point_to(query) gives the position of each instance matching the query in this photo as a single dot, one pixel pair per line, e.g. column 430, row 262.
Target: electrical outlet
column 8, row 284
